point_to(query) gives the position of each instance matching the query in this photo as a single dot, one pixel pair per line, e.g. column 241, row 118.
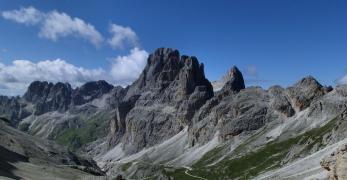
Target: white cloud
column 15, row 77
column 54, row 24
column 125, row 69
column 28, row 16
column 122, row 36
column 342, row 80
column 57, row 25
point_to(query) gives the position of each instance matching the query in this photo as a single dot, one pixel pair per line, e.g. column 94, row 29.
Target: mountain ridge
column 171, row 118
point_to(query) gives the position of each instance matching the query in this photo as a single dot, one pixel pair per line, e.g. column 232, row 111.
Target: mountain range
column 173, row 123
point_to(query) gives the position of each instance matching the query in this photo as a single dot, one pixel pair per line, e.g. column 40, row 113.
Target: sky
column 272, row 42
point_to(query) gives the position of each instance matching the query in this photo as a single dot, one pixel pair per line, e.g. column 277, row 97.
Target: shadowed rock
column 234, row 81
column 48, row 97
column 168, row 92
column 90, row 91
column 280, row 102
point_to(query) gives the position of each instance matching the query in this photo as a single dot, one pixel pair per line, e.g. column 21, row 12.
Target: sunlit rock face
column 161, row 101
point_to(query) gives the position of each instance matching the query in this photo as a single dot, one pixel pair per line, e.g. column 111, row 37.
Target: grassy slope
column 268, row 157
column 94, row 127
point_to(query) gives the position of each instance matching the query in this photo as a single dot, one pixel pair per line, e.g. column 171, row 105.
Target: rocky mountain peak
column 165, row 67
column 48, row 96
column 60, row 96
column 304, row 92
column 40, row 90
column 234, row 80
column 37, row 90
column 308, row 82
column 90, row 91
column 161, row 101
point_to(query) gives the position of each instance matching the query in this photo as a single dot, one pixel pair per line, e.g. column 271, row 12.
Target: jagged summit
column 308, row 81
column 47, row 96
column 235, row 80
column 166, row 69
column 39, row 90
column 168, row 92
column 90, row 91
column 304, row 92
column 232, row 81
column 171, row 115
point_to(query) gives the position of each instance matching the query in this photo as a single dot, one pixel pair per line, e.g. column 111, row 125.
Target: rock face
column 336, row 164
column 234, row 79
column 304, row 92
column 90, row 91
column 230, row 112
column 60, row 97
column 162, row 101
column 10, row 108
column 280, row 101
column 230, row 116
column 297, row 97
column 235, row 110
column 48, row 96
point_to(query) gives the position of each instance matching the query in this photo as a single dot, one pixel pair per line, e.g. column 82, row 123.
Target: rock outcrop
column 60, row 97
column 304, row 92
column 336, row 164
column 234, row 81
column 90, row 91
column 280, row 101
column 230, row 116
column 233, row 77
column 162, row 101
column 48, row 96
column 230, row 112
column 12, row 109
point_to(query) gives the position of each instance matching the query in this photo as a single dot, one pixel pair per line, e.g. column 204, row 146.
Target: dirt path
column 187, row 173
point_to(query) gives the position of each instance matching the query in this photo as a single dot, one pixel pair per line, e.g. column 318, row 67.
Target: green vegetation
column 93, row 128
column 316, row 135
column 268, row 157
column 212, row 156
column 126, row 166
column 179, row 174
column 24, row 126
column 252, row 163
column 241, row 148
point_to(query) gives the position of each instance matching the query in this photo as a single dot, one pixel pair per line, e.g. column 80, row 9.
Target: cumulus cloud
column 15, row 77
column 122, row 36
column 125, row 69
column 54, row 24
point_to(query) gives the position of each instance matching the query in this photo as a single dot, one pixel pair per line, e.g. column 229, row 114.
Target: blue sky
column 271, row 41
